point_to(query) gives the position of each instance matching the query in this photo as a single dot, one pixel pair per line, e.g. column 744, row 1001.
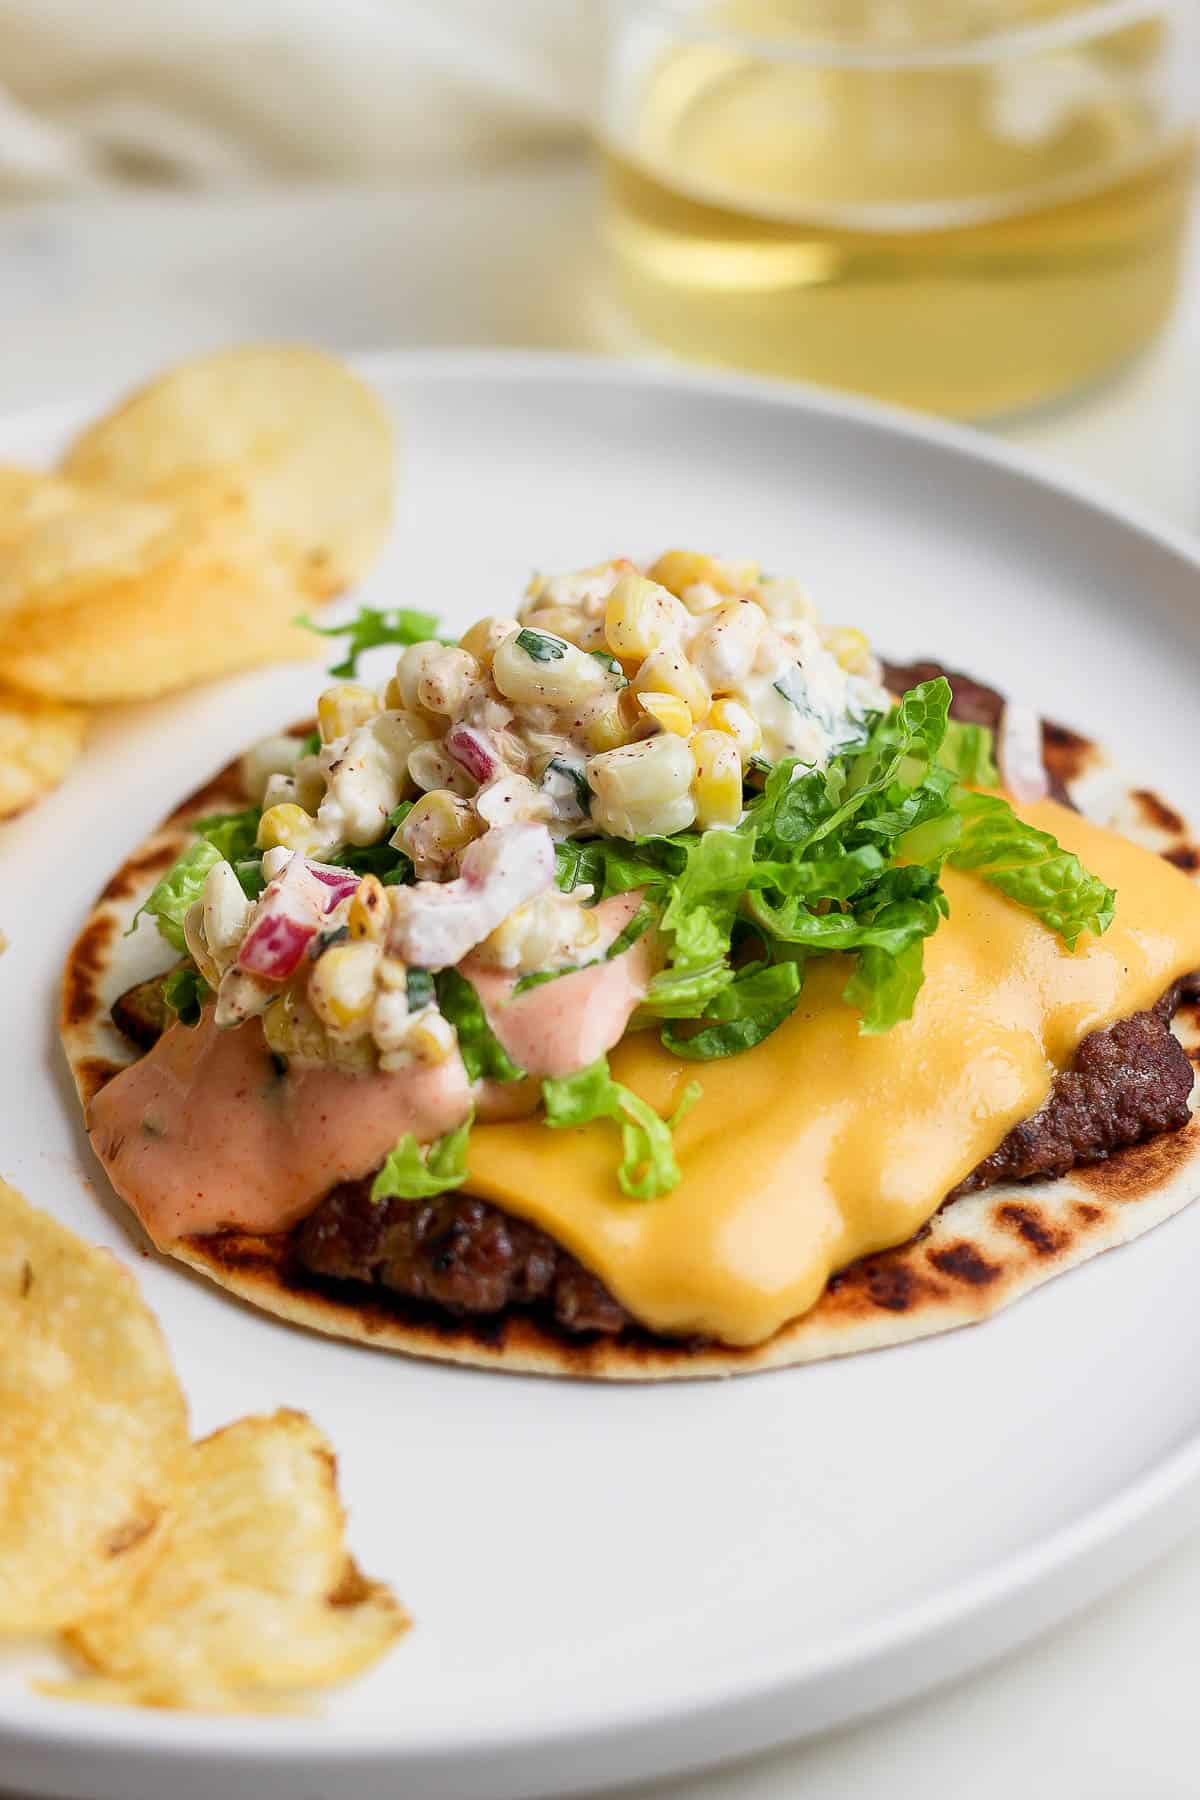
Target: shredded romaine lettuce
column 705, row 896
column 481, row 1050
column 683, row 993
column 970, row 752
column 235, row 835
column 169, row 899
column 746, row 1010
column 648, row 1168
column 415, row 1173
column 845, row 859
column 1031, row 867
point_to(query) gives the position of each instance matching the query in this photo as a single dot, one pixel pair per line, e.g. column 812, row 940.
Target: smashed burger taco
column 652, row 983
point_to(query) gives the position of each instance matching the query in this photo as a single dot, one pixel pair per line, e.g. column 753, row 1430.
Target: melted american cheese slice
column 821, row 1145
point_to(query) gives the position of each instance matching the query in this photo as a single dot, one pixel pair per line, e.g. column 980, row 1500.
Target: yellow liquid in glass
column 970, row 239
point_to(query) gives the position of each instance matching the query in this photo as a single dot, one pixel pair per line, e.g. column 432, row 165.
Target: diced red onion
column 473, row 751
column 339, row 882
column 1019, row 754
column 287, row 916
column 275, row 944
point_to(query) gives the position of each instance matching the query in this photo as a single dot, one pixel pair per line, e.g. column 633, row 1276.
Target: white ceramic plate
column 614, row 1582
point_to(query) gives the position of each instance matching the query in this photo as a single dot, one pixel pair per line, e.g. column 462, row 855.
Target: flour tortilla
column 978, row 1254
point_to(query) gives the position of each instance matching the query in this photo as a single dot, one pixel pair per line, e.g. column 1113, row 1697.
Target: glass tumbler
column 969, row 206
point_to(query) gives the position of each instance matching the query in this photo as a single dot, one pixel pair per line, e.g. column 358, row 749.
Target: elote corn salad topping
column 672, row 777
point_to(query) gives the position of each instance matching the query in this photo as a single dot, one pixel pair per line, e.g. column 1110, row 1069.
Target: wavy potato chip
column 93, row 1425
column 28, row 497
column 39, row 741
column 219, row 601
column 76, row 543
column 254, row 1592
column 304, row 440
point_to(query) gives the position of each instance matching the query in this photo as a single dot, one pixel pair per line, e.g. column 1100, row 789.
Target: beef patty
column 1127, row 1083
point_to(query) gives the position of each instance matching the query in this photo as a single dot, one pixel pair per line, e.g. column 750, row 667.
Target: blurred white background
column 251, row 91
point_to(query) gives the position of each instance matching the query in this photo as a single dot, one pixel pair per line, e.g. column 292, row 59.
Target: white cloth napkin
column 236, row 91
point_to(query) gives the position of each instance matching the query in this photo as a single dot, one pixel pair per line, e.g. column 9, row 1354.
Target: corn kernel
column 782, row 598
column 561, row 621
column 291, row 1028
column 739, row 577
column 536, row 668
column 682, row 569
column 669, row 672
column 552, row 930
column 432, row 767
column 485, row 637
column 850, row 647
column 724, row 651
column 342, row 709
column 272, row 758
column 717, row 786
column 430, row 1037
column 288, row 827
column 368, row 912
column 607, row 728
column 412, row 664
column 393, row 975
column 669, row 712
column 447, row 680
column 437, row 828
column 644, row 787
column 701, row 598
column 341, row 988
column 639, row 617
column 293, row 1031
column 737, row 722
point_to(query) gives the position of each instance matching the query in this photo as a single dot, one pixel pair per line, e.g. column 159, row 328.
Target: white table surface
column 100, row 292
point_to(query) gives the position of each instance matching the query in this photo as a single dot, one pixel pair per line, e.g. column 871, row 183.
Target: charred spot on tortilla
column 1156, row 812
column 887, row 1282
column 1068, row 755
column 142, row 870
column 1028, row 1223
column 962, row 1262
column 85, row 970
column 92, row 1073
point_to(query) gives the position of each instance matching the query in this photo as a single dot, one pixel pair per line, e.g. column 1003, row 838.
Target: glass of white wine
column 969, row 206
